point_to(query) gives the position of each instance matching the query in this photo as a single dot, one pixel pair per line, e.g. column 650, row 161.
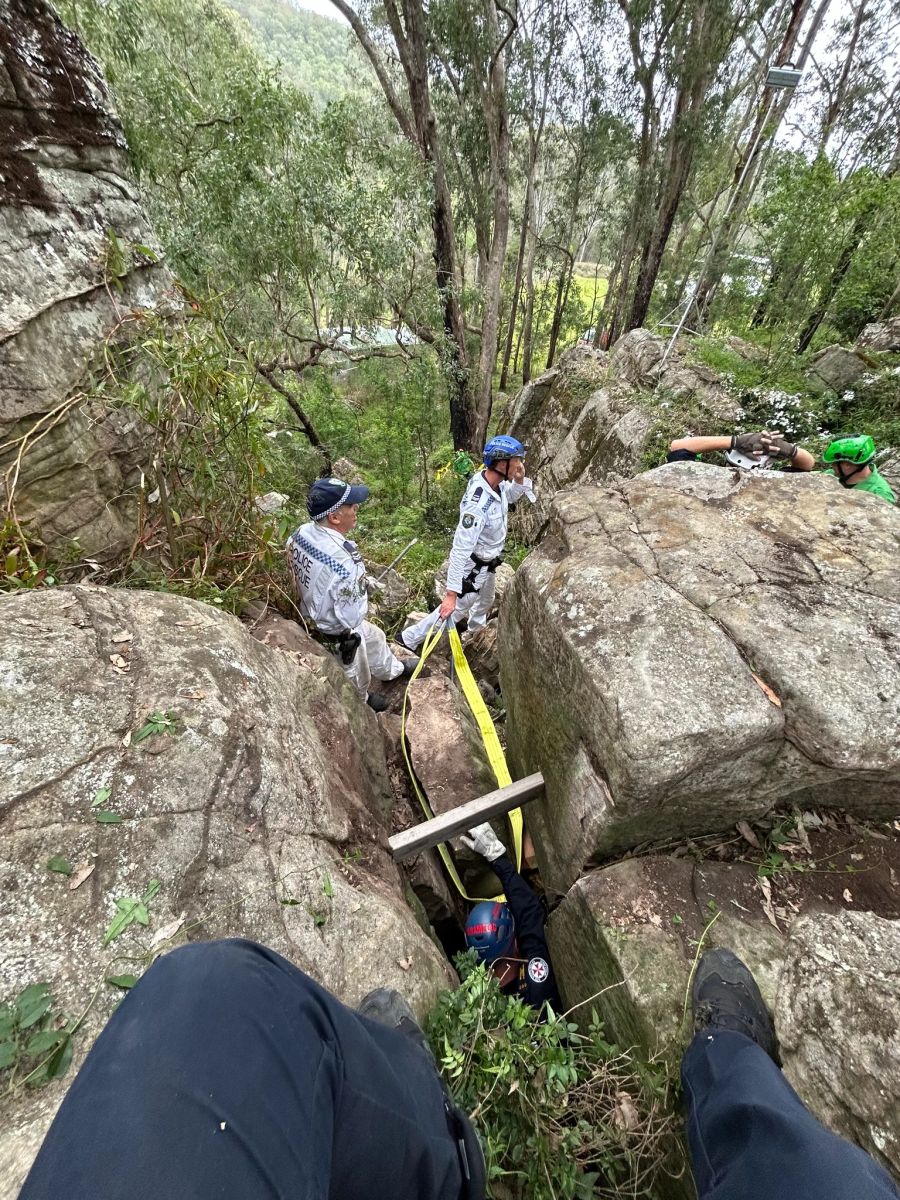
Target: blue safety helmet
column 500, row 449
column 490, row 930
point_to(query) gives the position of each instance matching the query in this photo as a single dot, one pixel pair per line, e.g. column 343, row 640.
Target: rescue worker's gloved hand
column 778, row 447
column 484, row 841
column 750, row 444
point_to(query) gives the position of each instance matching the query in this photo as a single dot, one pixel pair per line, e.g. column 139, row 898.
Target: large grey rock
column 64, row 287
column 624, row 938
column 834, row 368
column 880, row 335
column 688, row 648
column 838, row 1026
column 591, row 418
column 265, row 815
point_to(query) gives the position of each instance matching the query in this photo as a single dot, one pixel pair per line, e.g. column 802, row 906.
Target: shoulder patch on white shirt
column 468, row 521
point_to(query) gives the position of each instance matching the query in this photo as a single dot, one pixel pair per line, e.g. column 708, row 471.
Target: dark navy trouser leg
column 227, row 1073
column 752, row 1138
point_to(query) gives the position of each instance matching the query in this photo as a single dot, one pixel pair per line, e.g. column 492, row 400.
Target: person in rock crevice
column 509, row 937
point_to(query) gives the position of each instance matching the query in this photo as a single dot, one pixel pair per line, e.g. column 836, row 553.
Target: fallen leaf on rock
column 748, row 835
column 101, row 796
column 60, row 865
column 122, row 636
column 126, row 740
column 80, row 874
column 770, row 695
column 848, row 895
column 166, row 931
column 404, row 963
column 625, row 1114
column 120, row 663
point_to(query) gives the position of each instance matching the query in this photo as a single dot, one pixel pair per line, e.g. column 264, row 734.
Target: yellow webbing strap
column 492, row 745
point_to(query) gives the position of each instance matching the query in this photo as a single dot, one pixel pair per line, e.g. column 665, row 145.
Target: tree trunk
column 517, row 285
column 497, row 121
column 419, row 125
column 562, row 295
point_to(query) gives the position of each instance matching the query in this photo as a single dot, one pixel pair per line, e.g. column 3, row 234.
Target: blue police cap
column 328, row 495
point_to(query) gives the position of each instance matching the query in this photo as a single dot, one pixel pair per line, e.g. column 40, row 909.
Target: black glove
column 750, row 444
column 778, row 447
column 348, row 646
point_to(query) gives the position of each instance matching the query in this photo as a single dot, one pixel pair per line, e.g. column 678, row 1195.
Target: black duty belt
column 344, row 644
column 481, row 564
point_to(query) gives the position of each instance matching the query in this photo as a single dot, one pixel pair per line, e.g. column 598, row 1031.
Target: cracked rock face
column 837, row 1022
column 64, row 184
column 589, row 418
column 696, row 646
column 264, row 815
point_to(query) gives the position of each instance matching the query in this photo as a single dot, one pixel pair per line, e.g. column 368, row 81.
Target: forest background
column 381, row 228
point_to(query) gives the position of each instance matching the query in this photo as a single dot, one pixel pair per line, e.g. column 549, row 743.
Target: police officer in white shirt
column 479, row 539
column 331, row 579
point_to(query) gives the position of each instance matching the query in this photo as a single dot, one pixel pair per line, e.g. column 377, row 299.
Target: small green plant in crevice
column 562, row 1113
column 774, row 861
column 156, row 723
column 35, row 1040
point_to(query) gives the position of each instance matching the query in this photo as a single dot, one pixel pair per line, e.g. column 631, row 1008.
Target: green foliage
column 156, row 723
column 35, row 1041
column 130, row 910
column 317, row 54
column 561, row 1112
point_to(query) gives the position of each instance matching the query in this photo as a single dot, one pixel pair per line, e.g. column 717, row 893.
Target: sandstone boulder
column 591, row 418
column 624, row 939
column 838, row 1026
column 625, row 936
column 695, row 646
column 880, row 335
column 70, row 223
column 262, row 809
column 834, row 368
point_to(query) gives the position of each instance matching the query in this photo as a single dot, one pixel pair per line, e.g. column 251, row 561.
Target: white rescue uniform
column 331, row 579
column 482, row 528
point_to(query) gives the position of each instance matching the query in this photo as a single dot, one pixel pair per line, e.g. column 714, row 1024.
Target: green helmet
column 858, row 449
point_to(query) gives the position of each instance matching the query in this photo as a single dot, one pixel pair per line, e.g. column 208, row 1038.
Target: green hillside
column 315, row 53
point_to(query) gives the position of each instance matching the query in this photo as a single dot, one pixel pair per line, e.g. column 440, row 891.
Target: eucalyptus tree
column 457, row 52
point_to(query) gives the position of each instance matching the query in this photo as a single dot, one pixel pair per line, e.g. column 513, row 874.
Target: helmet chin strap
column 845, row 479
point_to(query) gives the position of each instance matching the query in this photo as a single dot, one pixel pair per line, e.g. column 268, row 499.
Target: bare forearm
column 701, row 445
column 803, row 460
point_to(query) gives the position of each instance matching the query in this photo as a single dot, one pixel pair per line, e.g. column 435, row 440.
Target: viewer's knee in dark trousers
column 226, row 1072
column 752, row 1138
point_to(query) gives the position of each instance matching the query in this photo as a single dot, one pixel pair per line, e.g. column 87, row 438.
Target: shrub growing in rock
column 561, row 1112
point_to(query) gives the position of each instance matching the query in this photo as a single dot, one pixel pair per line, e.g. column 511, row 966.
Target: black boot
column 725, row 996
column 376, row 702
column 388, row 1007
column 409, row 665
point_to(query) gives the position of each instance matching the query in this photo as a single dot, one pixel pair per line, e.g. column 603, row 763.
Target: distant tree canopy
column 317, row 54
